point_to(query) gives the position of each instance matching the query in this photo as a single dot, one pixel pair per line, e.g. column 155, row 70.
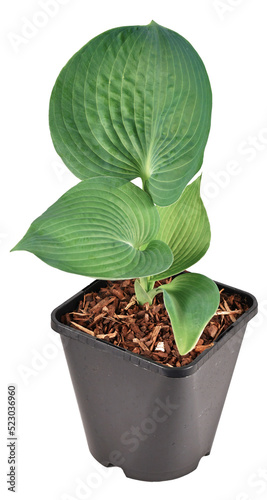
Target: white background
column 53, row 458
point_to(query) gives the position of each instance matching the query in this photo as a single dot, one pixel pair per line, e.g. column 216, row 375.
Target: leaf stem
column 144, row 290
column 144, row 284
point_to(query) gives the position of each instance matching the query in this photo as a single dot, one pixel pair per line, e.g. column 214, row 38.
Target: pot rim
column 138, row 359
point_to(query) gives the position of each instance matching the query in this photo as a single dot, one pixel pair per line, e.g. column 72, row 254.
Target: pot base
column 142, row 475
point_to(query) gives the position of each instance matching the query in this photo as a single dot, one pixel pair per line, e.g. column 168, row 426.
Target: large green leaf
column 97, row 229
column 134, row 102
column 191, row 300
column 185, row 227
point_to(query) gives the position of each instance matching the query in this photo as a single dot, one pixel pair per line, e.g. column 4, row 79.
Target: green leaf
column 145, row 291
column 184, row 226
column 97, row 228
column 191, row 300
column 134, row 102
column 141, row 294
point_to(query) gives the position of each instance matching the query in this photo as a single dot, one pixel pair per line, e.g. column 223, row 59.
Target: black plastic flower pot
column 153, row 421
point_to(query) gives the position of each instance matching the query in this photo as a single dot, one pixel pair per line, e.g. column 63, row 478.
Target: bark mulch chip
column 113, row 315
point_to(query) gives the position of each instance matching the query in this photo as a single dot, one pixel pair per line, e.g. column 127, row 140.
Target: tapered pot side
column 153, row 421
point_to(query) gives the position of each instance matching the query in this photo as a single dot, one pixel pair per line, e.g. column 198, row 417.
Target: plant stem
column 142, row 295
column 144, row 282
column 144, row 290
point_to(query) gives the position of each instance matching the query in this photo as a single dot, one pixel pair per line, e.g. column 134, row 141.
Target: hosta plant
column 135, row 102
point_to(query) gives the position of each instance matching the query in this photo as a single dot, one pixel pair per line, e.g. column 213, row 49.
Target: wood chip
column 154, row 336
column 227, row 313
column 227, row 308
column 131, row 303
column 201, row 348
column 109, row 335
column 135, row 328
column 82, row 328
column 147, row 338
column 118, row 293
column 212, row 330
column 162, row 355
column 80, row 315
column 142, row 345
column 98, row 307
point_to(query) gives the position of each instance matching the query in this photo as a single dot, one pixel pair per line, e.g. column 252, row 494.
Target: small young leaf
column 191, row 300
column 141, row 294
column 184, row 226
column 97, row 229
column 134, row 102
column 145, row 295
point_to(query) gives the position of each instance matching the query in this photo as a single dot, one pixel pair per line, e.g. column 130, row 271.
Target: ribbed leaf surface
column 185, row 227
column 97, row 229
column 134, row 102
